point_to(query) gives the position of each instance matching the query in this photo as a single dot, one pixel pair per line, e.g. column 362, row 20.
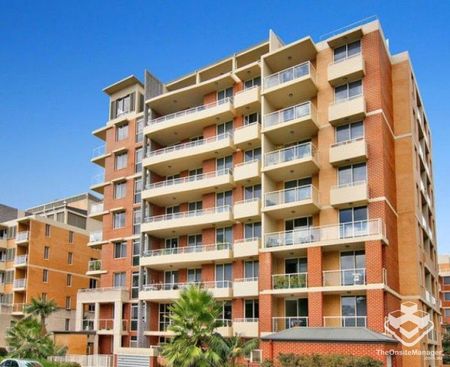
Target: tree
column 42, row 308
column 237, row 348
column 25, row 341
column 194, row 318
column 446, row 348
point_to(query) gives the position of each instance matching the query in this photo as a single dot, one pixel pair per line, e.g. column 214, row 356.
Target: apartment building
column 43, row 253
column 444, row 292
column 293, row 181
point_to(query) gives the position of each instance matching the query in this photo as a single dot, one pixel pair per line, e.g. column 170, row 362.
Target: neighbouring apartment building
column 44, row 253
column 293, row 181
column 444, row 288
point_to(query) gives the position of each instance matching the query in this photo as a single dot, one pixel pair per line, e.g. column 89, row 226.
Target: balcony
column 247, row 209
column 295, row 283
column 246, row 328
column 3, row 241
column 22, row 238
column 107, row 326
column 19, row 284
column 283, row 323
column 99, row 155
column 186, row 123
column 344, row 321
column 2, row 264
column 292, row 162
column 96, row 239
column 226, row 330
column 95, row 268
column 248, row 171
column 297, row 122
column 187, row 222
column 20, row 261
column 248, row 136
column 350, row 151
column 99, row 183
column 338, row 234
column 248, row 99
column 351, row 194
column 96, row 211
column 245, row 287
column 247, row 247
column 344, row 277
column 291, row 85
column 351, row 68
column 189, row 188
column 103, row 295
column 173, row 159
column 301, row 201
column 18, row 309
column 183, row 257
column 167, row 292
column 346, row 111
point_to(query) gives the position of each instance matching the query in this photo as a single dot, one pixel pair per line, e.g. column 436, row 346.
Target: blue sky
column 56, row 56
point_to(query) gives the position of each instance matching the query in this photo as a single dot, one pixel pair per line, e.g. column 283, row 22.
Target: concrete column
column 96, row 314
column 79, row 317
column 117, row 330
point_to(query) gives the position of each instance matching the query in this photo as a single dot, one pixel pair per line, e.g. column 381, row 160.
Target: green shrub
column 3, row 352
column 335, row 360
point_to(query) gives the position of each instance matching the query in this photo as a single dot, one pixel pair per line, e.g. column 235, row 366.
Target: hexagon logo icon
column 408, row 325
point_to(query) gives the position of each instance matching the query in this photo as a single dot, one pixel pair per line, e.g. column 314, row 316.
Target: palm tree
column 237, row 348
column 194, row 318
column 42, row 308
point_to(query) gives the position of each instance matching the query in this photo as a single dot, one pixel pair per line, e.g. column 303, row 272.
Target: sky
column 57, row 56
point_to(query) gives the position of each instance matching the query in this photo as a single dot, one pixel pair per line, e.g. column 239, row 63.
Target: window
column 353, row 222
column 193, row 174
column 354, row 310
column 47, row 230
column 251, row 310
column 350, row 132
column 224, row 199
column 164, row 314
column 138, row 160
column 225, row 93
column 353, row 214
column 67, row 324
column 224, row 163
column 447, row 296
column 224, row 235
column 121, row 132
column 120, row 250
column 139, row 130
column 252, row 192
column 135, row 285
column 171, row 210
column 223, row 275
column 447, row 280
column 350, row 175
column 225, row 128
column 10, row 254
column 9, row 276
column 194, row 275
column 69, row 280
column 136, row 220
column 136, row 252
column 171, row 243
column 346, row 51
column 45, row 276
column 227, row 310
column 124, row 105
column 134, row 317
column 447, row 312
column 120, row 190
column 195, row 206
column 119, row 220
column 252, row 82
column 137, row 190
column 70, row 237
column 68, row 303
column 252, row 230
column 92, row 283
column 70, row 258
column 119, row 279
column 348, row 91
column 353, row 265
column 195, row 240
column 46, row 252
column 121, row 160
column 251, row 119
column 252, row 155
column 251, row 270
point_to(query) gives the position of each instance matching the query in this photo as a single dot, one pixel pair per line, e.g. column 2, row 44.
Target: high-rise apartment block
column 293, row 181
column 44, row 253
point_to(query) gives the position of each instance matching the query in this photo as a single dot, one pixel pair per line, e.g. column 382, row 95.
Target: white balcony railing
column 346, row 99
column 187, row 179
column 22, row 236
column 180, row 286
column 94, row 265
column 99, row 151
column 283, row 323
column 96, row 236
column 188, row 214
column 189, row 249
column 96, row 208
column 346, row 142
column 190, row 111
column 300, row 151
column 296, row 194
column 287, row 75
column 20, row 283
column 344, row 277
column 190, row 144
column 21, row 260
column 102, row 290
column 307, row 235
column 289, row 281
column 349, row 184
column 345, row 321
column 287, row 114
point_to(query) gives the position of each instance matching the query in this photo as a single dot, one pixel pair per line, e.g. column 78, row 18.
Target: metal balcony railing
column 189, row 249
column 283, row 323
column 22, row 236
column 99, row 151
column 288, row 114
column 96, row 236
column 300, row 151
column 20, row 283
column 288, row 281
column 289, row 74
column 345, row 321
column 188, row 214
column 296, row 194
column 344, row 277
column 187, row 179
column 21, row 260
